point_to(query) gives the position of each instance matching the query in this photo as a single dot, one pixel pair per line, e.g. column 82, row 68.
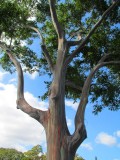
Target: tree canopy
column 21, row 19
column 12, row 154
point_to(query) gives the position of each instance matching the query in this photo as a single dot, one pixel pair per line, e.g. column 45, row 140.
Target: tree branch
column 104, row 58
column 69, row 59
column 79, row 118
column 21, row 102
column 55, row 19
column 73, row 85
column 73, row 43
column 20, row 91
column 38, row 32
column 44, row 48
column 85, row 91
column 78, row 137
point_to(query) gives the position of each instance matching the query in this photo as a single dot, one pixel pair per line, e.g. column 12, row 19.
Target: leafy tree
column 80, row 52
column 33, row 154
column 10, row 154
column 78, row 158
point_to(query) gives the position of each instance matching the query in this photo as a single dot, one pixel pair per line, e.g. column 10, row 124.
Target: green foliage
column 34, row 152
column 78, row 158
column 10, row 154
column 74, row 16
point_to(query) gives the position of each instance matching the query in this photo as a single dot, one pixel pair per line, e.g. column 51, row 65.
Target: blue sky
column 18, row 130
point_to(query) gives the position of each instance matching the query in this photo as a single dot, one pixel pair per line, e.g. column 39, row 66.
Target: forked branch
column 21, row 102
column 79, row 118
column 86, row 88
column 82, row 44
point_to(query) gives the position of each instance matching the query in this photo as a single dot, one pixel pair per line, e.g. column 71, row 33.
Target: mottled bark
column 60, row 144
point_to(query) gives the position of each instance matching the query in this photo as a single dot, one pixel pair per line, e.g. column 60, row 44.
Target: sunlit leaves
column 106, row 91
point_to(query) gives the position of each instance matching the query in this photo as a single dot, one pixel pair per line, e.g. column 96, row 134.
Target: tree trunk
column 57, row 137
column 60, row 144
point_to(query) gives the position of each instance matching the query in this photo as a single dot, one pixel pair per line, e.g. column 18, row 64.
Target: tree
column 80, row 52
column 78, row 158
column 33, row 154
column 10, row 154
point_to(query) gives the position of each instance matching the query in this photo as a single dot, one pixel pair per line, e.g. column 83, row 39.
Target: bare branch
column 55, row 19
column 85, row 91
column 80, row 131
column 104, row 58
column 73, row 85
column 78, row 137
column 21, row 102
column 48, row 58
column 38, row 32
column 44, row 48
column 35, row 113
column 20, row 91
column 69, row 59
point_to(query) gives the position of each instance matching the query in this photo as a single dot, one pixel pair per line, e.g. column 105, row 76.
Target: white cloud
column 17, row 129
column 87, row 146
column 2, row 75
column 69, row 122
column 12, row 80
column 33, row 101
column 118, row 133
column 71, row 104
column 106, row 139
column 32, row 75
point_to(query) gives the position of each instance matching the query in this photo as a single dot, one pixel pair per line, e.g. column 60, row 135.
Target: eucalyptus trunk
column 59, row 140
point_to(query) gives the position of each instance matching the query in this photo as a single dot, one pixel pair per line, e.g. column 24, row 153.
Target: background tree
column 80, row 53
column 10, row 154
column 33, row 154
column 78, row 158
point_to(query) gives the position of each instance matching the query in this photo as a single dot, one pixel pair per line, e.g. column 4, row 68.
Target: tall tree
column 80, row 47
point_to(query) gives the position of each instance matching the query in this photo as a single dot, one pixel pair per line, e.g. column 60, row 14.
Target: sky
column 18, row 130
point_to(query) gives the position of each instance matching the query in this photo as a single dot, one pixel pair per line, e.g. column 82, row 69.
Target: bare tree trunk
column 56, row 127
column 60, row 144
